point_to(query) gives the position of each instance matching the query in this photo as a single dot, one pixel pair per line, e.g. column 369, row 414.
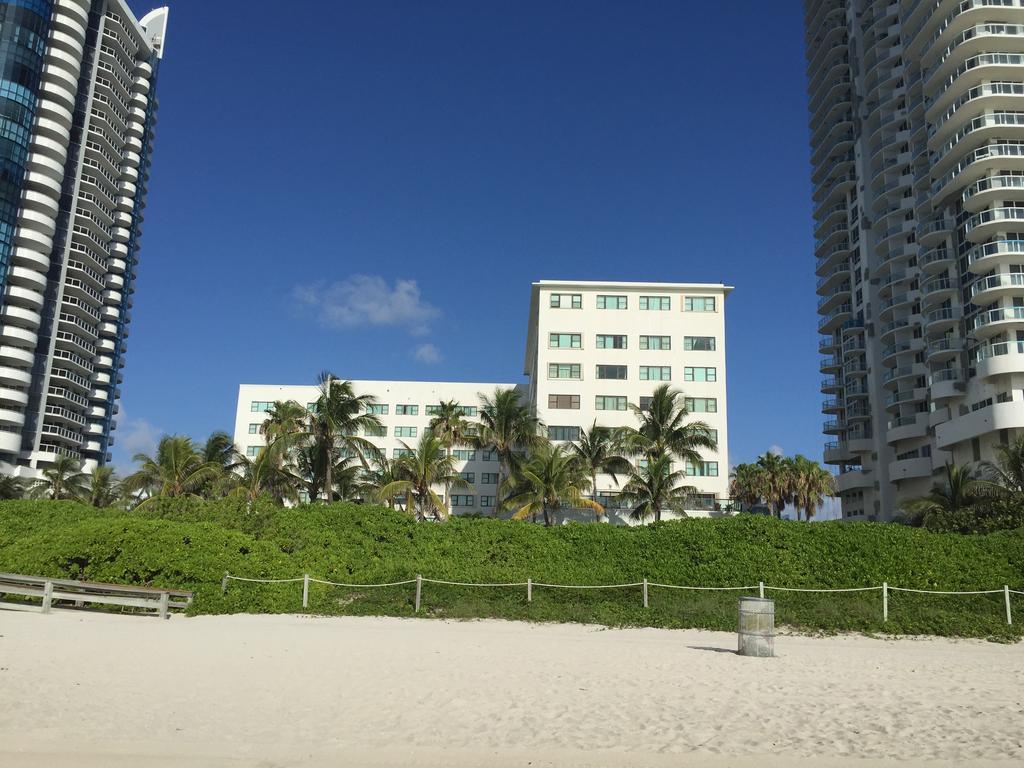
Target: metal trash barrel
column 756, row 627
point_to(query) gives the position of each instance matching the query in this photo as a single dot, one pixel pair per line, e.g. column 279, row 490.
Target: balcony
column 999, row 320
column 838, row 296
column 829, row 385
column 939, row 289
column 999, row 359
column 909, row 469
column 906, row 427
column 835, row 318
column 988, row 289
column 979, row 194
column 985, row 258
column 934, row 232
column 895, row 375
column 936, row 259
column 947, row 384
column 852, row 480
column 941, row 320
column 982, row 226
column 837, row 453
column 944, row 349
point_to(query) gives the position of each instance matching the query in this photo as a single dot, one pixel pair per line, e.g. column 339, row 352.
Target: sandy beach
column 102, row 690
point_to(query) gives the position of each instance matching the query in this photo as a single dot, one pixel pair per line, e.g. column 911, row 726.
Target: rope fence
column 530, row 584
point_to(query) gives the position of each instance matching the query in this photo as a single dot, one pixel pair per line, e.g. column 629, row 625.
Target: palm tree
column 506, row 427
column 747, row 484
column 104, row 488
column 335, row 423
column 285, row 419
column 550, row 478
column 655, row 487
column 269, row 472
column 962, row 489
column 777, row 481
column 177, row 469
column 382, row 473
column 664, row 430
column 451, row 429
column 595, row 452
column 11, row 487
column 1006, row 476
column 418, row 471
column 811, row 484
column 64, row 479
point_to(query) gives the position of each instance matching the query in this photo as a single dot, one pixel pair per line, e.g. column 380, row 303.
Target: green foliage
column 189, row 543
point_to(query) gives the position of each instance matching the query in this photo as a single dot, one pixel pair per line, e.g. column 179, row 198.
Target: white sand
column 100, row 690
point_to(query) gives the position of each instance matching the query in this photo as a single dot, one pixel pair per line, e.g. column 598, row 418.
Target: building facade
column 592, row 349
column 917, row 142
column 77, row 110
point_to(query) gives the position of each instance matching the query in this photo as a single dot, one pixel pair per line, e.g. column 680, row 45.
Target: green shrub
column 190, row 544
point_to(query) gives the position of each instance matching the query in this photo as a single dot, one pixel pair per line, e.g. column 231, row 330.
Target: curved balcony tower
column 79, row 113
column 917, row 152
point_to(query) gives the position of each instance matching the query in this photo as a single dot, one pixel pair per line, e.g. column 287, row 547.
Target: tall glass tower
column 77, row 113
column 917, row 141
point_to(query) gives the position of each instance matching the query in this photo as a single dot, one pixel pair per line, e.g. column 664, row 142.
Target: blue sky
column 427, row 161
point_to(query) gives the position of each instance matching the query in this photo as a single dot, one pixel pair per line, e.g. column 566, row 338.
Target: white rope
column 677, row 586
column 934, row 592
column 467, row 584
column 1017, row 592
column 362, row 586
column 588, row 586
column 849, row 589
column 263, row 581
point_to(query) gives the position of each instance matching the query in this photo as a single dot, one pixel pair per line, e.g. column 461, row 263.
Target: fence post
column 1006, row 597
column 47, row 596
column 529, row 590
column 305, row 590
column 645, row 592
column 165, row 612
column 419, row 590
column 224, row 584
column 885, row 601
column 760, row 589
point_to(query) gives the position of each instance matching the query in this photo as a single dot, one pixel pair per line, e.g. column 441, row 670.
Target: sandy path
column 100, row 690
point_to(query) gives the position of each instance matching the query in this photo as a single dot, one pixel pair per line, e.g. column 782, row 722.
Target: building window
column 372, row 431
column 703, row 469
column 489, row 456
column 464, row 454
column 702, row 404
column 611, row 341
column 566, row 300
column 380, row 410
column 467, row 410
column 564, row 401
column 405, row 431
column 699, row 374
column 610, row 403
column 714, row 435
column 407, row 410
column 565, row 341
column 257, row 406
column 699, row 343
column 563, row 433
column 311, row 407
column 655, row 302
column 488, row 478
column 253, row 450
column 611, row 302
column 645, row 402
column 459, row 500
column 254, row 429
column 400, row 452
column 611, row 372
column 432, row 410
column 563, row 370
column 469, row 477
column 655, row 342
column 487, row 502
column 655, row 373
column 699, row 304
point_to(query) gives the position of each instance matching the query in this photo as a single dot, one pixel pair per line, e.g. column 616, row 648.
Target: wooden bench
column 80, row 592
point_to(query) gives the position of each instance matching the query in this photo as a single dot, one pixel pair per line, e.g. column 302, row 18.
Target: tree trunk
column 657, row 513
column 328, row 478
column 547, row 517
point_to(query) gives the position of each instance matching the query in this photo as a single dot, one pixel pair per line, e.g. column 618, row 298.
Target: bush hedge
column 190, row 544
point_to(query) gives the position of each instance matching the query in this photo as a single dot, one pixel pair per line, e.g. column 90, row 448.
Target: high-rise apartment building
column 917, row 141
column 592, row 349
column 77, row 112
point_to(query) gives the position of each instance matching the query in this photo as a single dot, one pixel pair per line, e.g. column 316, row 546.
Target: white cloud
column 427, row 353
column 367, row 300
column 776, row 449
column 131, row 437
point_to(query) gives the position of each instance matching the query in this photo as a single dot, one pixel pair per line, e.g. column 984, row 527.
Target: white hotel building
column 77, row 113
column 592, row 348
column 917, row 148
